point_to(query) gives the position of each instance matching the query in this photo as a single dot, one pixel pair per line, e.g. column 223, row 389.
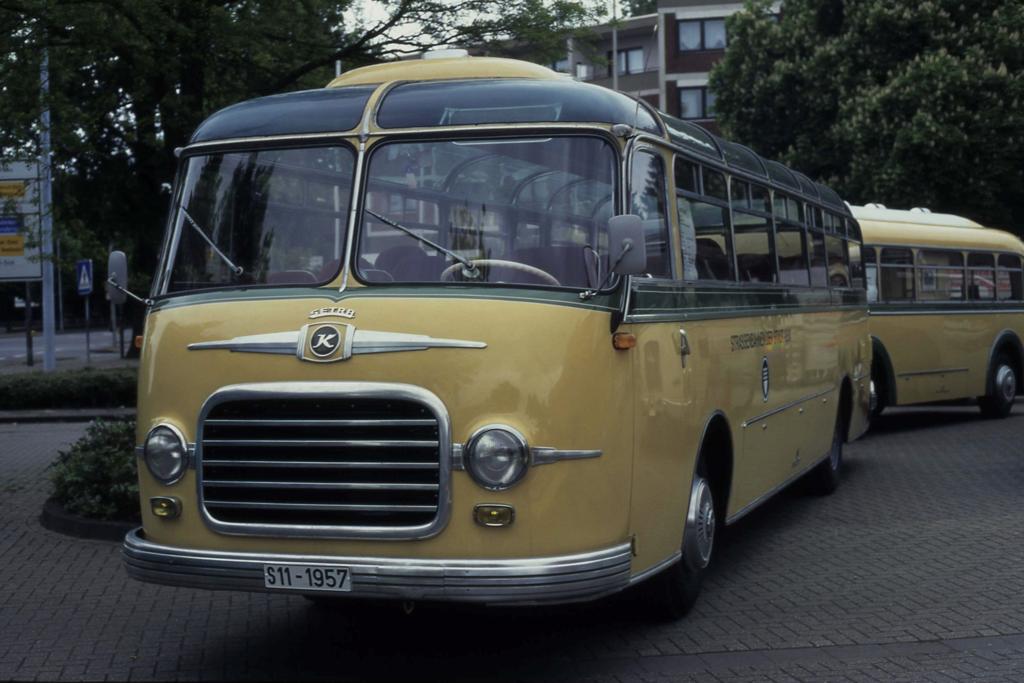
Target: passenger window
column 794, row 210
column 648, row 202
column 686, row 175
column 871, row 273
column 740, row 194
column 760, row 199
column 754, row 256
column 1009, row 283
column 714, row 242
column 779, row 206
column 940, row 276
column 714, row 185
column 983, row 277
column 819, row 264
column 838, row 265
column 856, row 267
column 897, row 275
column 791, row 245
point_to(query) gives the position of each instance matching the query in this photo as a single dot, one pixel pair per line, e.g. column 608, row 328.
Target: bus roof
column 923, row 229
column 467, row 91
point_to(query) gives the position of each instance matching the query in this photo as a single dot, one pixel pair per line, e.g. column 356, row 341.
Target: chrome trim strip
column 542, row 455
column 783, row 408
column 651, row 571
column 565, row 578
column 258, row 505
column 241, row 392
column 946, row 311
column 301, row 137
column 326, row 443
column 359, row 342
column 941, row 371
column 321, row 485
column 326, row 464
column 322, row 423
column 749, row 507
column 458, row 460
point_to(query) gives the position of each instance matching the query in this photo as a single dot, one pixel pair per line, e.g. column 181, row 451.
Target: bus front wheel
column 999, row 401
column 824, row 478
column 674, row 591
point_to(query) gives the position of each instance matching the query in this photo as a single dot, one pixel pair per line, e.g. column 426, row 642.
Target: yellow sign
column 12, row 188
column 12, row 245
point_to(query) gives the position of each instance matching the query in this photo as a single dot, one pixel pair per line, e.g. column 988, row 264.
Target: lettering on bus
column 757, row 340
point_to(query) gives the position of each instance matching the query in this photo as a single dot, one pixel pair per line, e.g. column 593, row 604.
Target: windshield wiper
column 237, row 270
column 469, row 268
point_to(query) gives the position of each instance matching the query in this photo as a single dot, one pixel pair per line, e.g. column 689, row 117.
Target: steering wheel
column 545, row 276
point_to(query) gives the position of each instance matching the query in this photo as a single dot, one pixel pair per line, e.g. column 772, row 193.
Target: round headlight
column 497, row 457
column 166, row 454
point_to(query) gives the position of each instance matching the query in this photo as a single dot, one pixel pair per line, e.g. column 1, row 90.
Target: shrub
column 69, row 389
column 96, row 477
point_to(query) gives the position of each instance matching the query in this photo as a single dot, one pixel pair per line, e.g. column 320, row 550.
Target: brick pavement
column 911, row 571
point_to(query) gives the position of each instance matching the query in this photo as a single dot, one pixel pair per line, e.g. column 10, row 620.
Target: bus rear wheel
column 999, row 401
column 673, row 592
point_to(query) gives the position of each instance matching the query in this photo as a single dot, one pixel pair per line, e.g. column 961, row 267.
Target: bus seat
column 407, row 263
column 712, row 261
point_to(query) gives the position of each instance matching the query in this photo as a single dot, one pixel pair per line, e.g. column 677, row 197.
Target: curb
column 55, row 518
column 66, row 415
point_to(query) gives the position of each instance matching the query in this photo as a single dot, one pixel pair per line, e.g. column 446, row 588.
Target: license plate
column 307, row 577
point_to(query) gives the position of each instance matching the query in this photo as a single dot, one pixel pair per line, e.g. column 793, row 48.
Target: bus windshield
column 266, row 217
column 528, row 210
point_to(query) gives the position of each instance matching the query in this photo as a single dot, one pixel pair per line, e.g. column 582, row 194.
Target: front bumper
column 566, row 578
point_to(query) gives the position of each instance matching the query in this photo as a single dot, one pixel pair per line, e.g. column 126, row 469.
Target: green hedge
column 97, row 476
column 69, row 389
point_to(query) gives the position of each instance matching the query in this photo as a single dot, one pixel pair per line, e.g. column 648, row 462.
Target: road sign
column 83, row 276
column 19, row 222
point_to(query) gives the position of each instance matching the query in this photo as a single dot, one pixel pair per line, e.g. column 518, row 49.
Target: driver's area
column 530, row 210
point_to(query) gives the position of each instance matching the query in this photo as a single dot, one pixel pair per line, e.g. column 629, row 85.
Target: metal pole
column 615, row 45
column 60, row 290
column 46, row 222
column 28, row 324
column 88, row 356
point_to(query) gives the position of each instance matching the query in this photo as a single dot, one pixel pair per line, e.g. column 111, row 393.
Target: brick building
column 663, row 58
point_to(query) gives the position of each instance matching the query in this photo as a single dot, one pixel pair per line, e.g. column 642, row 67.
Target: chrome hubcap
column 1006, row 382
column 700, row 524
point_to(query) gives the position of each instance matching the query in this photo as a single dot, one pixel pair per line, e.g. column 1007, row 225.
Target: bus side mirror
column 117, row 272
column 626, row 244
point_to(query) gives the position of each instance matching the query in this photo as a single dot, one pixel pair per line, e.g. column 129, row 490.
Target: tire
column 824, row 478
column 1004, row 382
column 673, row 592
column 879, row 393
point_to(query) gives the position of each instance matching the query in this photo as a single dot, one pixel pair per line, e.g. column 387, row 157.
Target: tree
column 909, row 104
column 131, row 79
column 636, row 8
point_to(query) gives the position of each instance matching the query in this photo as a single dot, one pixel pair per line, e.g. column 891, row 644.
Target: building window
column 696, row 103
column 630, row 61
column 701, row 34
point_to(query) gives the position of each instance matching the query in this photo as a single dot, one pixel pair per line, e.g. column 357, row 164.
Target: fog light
column 494, row 515
column 165, row 507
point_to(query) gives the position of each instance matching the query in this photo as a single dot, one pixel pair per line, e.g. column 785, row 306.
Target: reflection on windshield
column 280, row 215
column 523, row 211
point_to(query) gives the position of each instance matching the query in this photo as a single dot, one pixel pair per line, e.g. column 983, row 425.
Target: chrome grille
column 325, row 459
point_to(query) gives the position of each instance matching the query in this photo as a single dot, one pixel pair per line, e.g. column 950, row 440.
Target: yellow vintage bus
column 947, row 309
column 462, row 329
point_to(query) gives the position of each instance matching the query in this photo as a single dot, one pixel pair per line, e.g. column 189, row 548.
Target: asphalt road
column 911, row 571
column 70, row 349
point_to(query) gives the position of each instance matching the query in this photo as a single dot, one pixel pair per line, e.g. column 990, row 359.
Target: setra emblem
column 765, row 378
column 335, row 311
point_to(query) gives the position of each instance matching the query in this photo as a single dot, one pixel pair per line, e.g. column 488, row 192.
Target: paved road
column 911, row 571
column 70, row 349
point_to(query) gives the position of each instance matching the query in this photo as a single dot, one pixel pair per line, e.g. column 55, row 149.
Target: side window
column 791, row 243
column 819, row 264
column 982, row 285
column 648, row 201
column 714, row 185
column 897, row 275
column 714, row 241
column 940, row 276
column 760, row 199
column 1009, row 284
column 856, row 267
column 754, row 254
column 838, row 264
column 871, row 273
column 739, row 192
